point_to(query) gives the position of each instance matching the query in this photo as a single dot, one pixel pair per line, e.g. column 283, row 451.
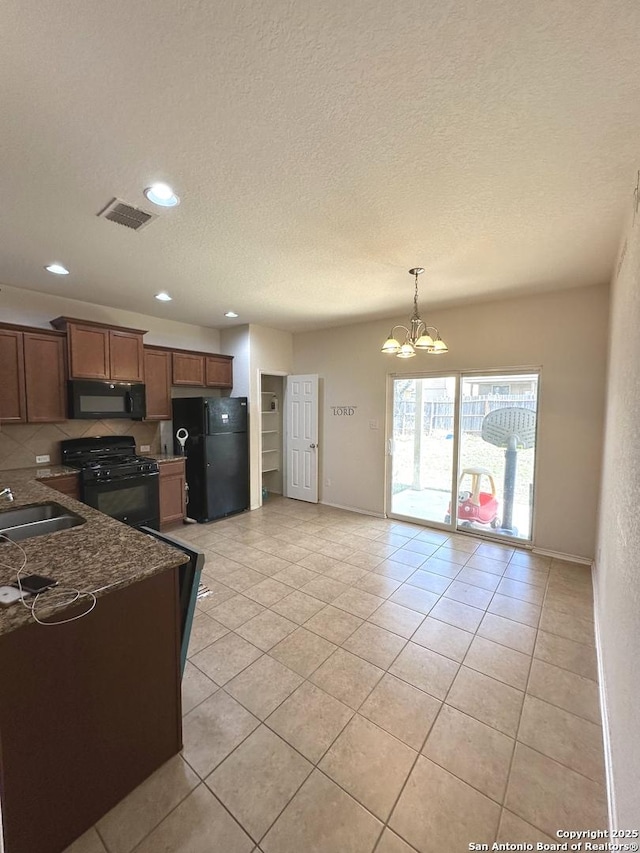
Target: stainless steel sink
column 37, row 520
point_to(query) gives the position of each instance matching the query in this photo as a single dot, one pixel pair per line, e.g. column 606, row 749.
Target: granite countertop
column 98, row 556
column 40, row 473
column 166, row 457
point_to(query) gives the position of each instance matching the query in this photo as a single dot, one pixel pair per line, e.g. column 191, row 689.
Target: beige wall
column 617, row 570
column 235, row 342
column 563, row 333
column 30, row 308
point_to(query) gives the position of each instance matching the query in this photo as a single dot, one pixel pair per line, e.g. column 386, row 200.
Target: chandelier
column 418, row 336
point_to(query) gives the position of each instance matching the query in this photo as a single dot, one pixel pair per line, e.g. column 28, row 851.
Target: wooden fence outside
column 438, row 414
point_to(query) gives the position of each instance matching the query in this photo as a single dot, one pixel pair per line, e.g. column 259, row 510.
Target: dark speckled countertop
column 98, row 556
column 45, row 472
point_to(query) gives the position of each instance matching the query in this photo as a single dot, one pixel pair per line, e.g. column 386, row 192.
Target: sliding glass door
column 462, row 452
column 423, row 456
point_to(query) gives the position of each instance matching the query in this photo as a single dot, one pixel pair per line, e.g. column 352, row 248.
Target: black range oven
column 115, row 480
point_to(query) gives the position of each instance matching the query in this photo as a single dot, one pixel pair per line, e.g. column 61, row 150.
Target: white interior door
column 302, row 437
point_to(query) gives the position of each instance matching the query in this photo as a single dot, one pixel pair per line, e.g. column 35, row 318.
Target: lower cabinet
column 68, row 484
column 172, row 492
column 92, row 711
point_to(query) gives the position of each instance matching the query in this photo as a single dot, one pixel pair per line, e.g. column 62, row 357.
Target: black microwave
column 97, row 400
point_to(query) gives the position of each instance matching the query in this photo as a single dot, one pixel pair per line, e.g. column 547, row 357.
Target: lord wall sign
column 343, row 411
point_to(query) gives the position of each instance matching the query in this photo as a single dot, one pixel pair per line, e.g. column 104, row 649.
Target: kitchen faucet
column 8, row 493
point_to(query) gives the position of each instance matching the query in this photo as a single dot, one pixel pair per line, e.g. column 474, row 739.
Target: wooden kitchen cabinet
column 68, row 484
column 172, row 492
column 32, row 376
column 99, row 351
column 218, row 371
column 13, row 402
column 92, row 711
column 187, row 369
column 44, row 376
column 126, row 356
column 157, row 377
column 202, row 370
column 88, row 349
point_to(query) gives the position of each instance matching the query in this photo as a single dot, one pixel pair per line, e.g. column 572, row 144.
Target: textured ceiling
column 320, row 150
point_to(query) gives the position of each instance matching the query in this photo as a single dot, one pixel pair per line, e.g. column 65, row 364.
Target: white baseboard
column 604, row 711
column 354, row 509
column 558, row 555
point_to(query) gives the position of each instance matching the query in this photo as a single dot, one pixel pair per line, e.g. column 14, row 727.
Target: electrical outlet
column 40, row 460
column 145, row 448
column 327, row 481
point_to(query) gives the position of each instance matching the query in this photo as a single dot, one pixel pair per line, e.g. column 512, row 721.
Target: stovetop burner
column 106, row 457
column 112, row 461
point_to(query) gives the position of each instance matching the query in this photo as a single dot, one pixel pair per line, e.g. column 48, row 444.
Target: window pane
column 497, row 453
column 422, row 461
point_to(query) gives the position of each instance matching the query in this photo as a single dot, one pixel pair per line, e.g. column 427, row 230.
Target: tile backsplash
column 21, row 443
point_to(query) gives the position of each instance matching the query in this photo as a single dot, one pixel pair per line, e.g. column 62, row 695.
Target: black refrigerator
column 217, row 451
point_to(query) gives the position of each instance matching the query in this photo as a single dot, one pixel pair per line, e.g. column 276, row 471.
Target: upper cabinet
column 218, row 371
column 157, row 376
column 188, row 369
column 126, row 355
column 32, row 376
column 44, row 375
column 202, row 370
column 13, row 403
column 98, row 351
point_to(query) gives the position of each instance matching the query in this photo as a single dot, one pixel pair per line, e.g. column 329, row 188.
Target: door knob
column 312, row 445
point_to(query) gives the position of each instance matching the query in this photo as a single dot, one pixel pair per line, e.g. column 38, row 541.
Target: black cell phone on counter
column 36, row 584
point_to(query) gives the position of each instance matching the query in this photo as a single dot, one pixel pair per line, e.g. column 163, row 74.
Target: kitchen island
column 89, row 708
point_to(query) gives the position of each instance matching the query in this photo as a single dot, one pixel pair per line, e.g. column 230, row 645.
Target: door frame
column 452, row 526
column 283, row 373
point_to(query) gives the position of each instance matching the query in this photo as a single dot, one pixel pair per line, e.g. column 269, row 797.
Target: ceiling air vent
column 126, row 214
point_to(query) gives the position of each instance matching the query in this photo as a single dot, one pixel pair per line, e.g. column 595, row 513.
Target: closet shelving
column 271, row 439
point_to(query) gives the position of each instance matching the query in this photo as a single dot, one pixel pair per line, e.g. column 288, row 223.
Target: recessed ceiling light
column 162, row 194
column 230, row 314
column 163, row 296
column 57, row 269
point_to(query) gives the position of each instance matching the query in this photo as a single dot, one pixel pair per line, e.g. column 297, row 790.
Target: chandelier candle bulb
column 418, row 335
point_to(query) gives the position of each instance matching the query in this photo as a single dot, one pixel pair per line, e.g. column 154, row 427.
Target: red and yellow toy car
column 474, row 505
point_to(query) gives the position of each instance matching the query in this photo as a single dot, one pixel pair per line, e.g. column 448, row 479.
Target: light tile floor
column 359, row 684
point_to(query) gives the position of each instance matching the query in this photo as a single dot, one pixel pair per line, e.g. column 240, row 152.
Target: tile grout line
column 520, row 725
column 515, row 739
column 384, row 671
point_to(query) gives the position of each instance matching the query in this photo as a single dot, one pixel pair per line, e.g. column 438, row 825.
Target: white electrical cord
column 31, row 607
